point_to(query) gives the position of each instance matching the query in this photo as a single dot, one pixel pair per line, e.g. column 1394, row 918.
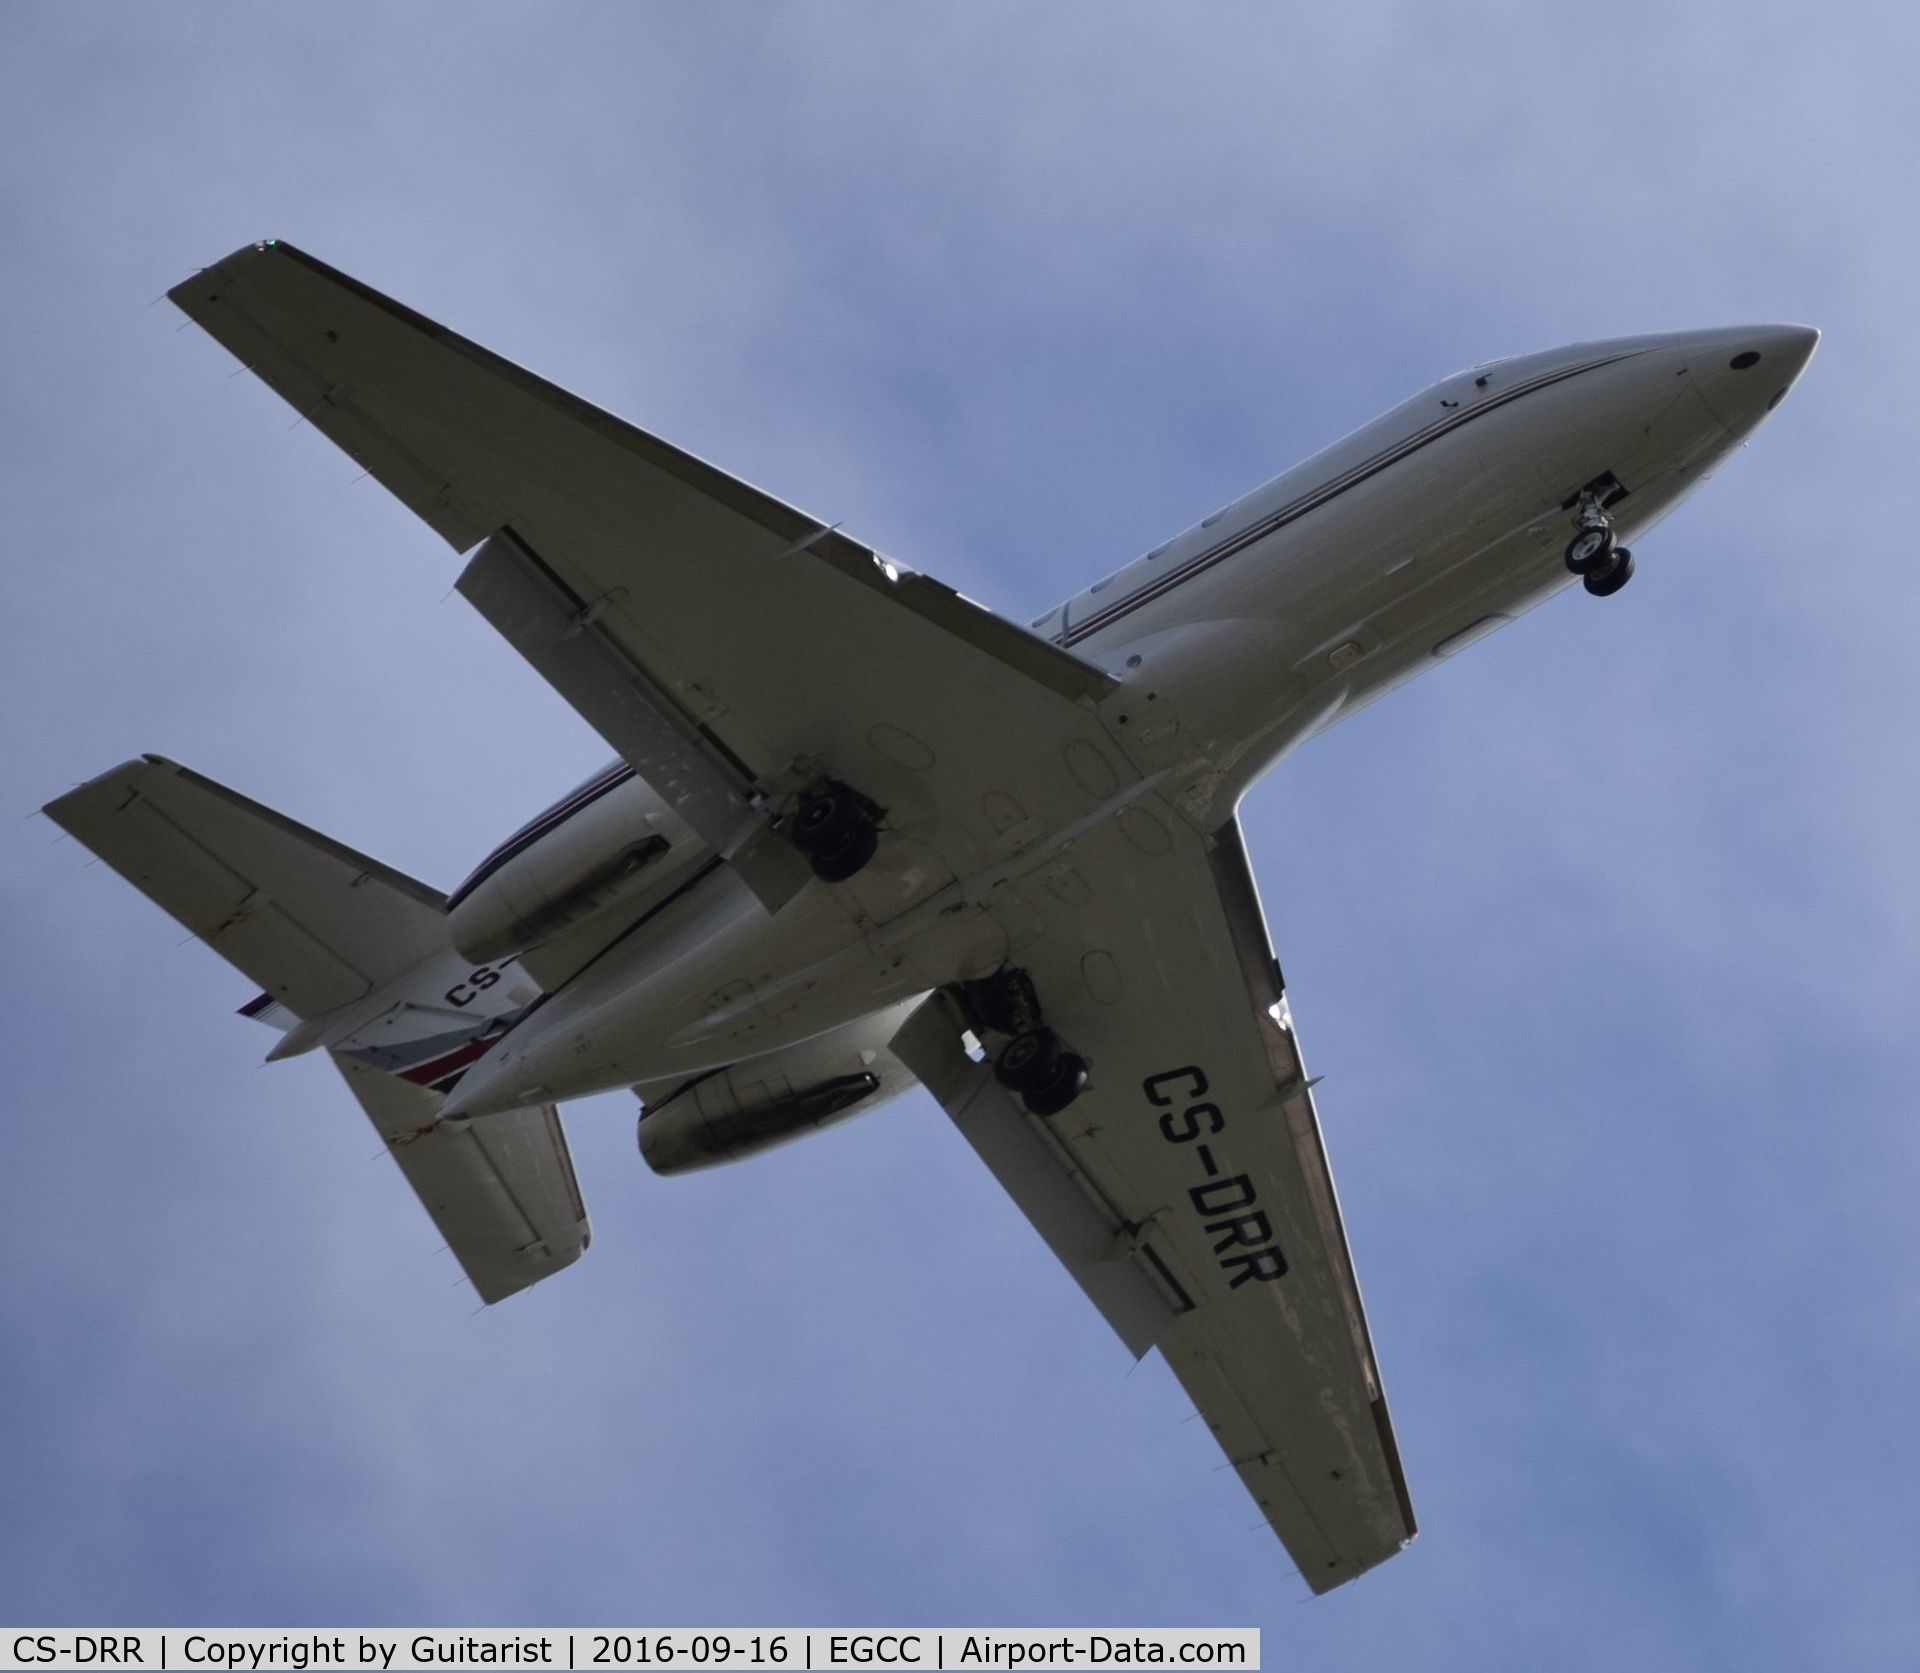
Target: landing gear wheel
column 1069, row 1081
column 838, row 863
column 835, row 830
column 1591, row 549
column 827, row 818
column 1029, row 1061
column 1047, row 1077
column 1604, row 583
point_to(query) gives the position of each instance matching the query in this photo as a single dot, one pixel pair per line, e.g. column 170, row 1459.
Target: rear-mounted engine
column 763, row 1101
column 610, row 846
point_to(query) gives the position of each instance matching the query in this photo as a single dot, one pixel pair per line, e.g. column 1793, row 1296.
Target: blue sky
column 1603, row 935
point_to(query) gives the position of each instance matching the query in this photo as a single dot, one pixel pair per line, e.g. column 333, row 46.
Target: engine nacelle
column 610, row 844
column 763, row 1101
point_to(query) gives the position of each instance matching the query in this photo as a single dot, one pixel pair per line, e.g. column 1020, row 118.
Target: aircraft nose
column 1745, row 372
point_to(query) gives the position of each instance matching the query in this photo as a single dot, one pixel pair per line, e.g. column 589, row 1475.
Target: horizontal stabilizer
column 501, row 1190
column 316, row 925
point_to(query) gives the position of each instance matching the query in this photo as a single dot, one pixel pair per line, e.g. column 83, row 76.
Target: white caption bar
column 654, row 1649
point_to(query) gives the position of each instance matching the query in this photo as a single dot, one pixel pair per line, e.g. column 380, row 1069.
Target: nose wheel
column 1591, row 549
column 1611, row 577
column 1602, row 563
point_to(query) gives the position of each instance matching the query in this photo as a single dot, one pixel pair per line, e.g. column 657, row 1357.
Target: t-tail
column 354, row 958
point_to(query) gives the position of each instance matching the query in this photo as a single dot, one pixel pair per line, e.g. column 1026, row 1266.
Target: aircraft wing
column 1187, row 1189
column 732, row 648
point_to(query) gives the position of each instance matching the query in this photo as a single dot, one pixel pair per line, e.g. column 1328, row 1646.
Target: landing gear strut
column 1602, row 563
column 837, row 829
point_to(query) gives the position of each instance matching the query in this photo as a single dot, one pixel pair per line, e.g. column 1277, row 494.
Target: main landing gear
column 837, row 829
column 1602, row 563
column 1034, row 1062
column 1047, row 1076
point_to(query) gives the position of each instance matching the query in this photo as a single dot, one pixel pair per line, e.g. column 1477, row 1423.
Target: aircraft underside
column 862, row 833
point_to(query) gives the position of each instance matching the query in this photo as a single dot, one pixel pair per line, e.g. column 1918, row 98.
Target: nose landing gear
column 1602, row 563
column 1603, row 583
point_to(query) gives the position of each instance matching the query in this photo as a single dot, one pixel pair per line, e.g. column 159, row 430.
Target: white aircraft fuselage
column 1232, row 643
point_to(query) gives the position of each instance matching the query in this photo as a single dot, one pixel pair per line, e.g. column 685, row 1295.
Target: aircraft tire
column 1606, row 582
column 1590, row 549
column 1069, row 1081
column 827, row 818
column 837, row 863
column 1029, row 1061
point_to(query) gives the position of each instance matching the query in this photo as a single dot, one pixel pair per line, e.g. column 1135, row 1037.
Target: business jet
column 862, row 833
